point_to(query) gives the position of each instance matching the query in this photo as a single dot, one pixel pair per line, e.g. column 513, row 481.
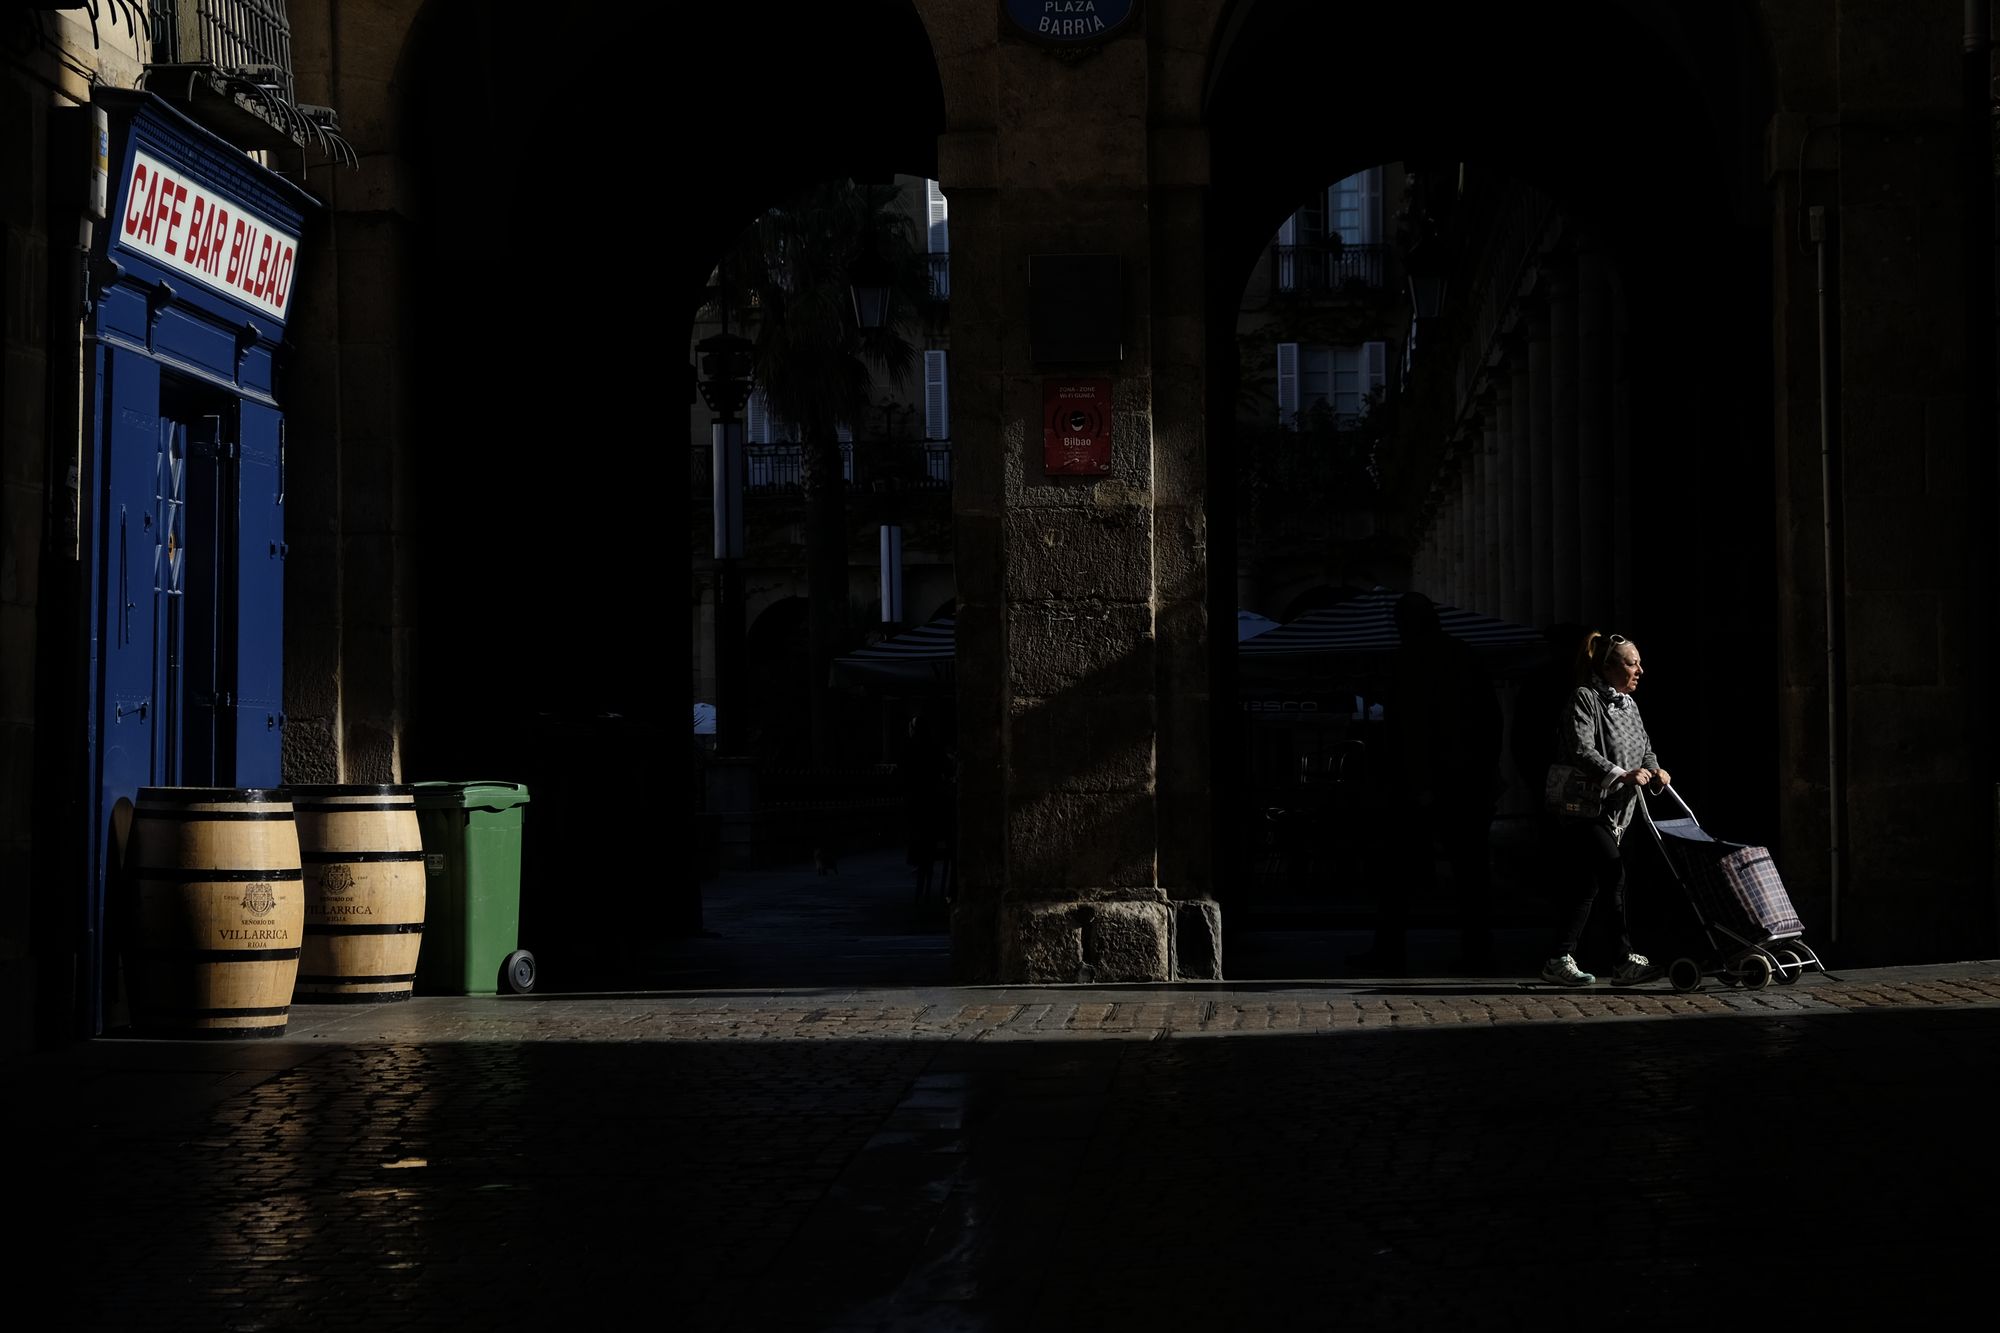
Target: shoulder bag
column 1574, row 791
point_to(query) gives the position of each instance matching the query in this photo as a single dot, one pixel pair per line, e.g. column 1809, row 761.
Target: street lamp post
column 891, row 553
column 725, row 387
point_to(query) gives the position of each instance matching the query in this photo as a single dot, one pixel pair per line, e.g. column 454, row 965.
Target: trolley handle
column 1673, row 791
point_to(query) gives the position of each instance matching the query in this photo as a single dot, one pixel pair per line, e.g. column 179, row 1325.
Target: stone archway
column 1077, row 603
column 1083, row 607
column 466, row 486
column 1766, row 120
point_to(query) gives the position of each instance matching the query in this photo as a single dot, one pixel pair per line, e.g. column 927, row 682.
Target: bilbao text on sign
column 1076, row 427
column 176, row 221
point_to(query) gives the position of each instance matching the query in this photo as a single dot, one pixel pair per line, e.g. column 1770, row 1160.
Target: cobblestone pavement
column 1279, row 1155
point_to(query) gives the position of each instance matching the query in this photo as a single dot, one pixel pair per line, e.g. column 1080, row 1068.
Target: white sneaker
column 1564, row 972
column 1636, row 968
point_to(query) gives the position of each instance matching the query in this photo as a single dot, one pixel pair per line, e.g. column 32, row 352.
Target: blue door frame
column 185, row 538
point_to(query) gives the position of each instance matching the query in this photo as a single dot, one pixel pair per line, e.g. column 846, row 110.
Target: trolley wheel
column 1790, row 967
column 517, row 973
column 1756, row 972
column 1684, row 974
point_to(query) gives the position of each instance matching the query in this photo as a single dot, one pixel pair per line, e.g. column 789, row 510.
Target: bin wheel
column 517, row 973
column 1684, row 974
column 1790, row 967
column 1756, row 972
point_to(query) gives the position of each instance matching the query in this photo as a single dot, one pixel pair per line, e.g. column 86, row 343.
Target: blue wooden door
column 131, row 554
column 131, row 565
column 188, row 592
column 202, row 745
column 256, row 653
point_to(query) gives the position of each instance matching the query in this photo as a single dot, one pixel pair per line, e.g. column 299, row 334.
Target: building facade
column 471, row 509
column 896, row 474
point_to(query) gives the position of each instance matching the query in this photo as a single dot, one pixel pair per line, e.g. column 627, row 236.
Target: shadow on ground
column 1636, row 1175
column 863, row 925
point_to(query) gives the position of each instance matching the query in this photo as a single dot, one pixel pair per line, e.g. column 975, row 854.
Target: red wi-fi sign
column 1076, row 427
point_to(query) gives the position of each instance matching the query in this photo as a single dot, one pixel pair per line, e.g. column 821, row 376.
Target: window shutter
column 940, row 226
column 937, row 405
column 937, row 235
column 1287, row 256
column 1371, row 206
column 1374, row 367
column 845, row 434
column 1344, row 377
column 1288, row 383
column 757, row 419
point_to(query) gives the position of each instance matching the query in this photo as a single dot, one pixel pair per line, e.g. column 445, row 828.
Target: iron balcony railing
column 870, row 465
column 1314, row 270
column 229, row 63
column 940, row 275
column 781, row 467
column 251, row 37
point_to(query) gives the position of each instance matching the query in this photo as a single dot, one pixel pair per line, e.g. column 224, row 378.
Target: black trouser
column 1589, row 857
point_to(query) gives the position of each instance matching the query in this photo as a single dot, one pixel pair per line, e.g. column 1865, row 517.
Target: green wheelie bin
column 472, row 880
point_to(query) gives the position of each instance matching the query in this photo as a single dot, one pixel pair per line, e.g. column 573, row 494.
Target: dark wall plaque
column 1075, row 308
column 1070, row 22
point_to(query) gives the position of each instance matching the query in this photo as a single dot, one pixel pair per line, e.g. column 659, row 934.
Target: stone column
column 1491, row 532
column 1468, row 503
column 1593, row 422
column 1443, row 577
column 1912, row 489
column 1914, row 526
column 1082, row 620
column 1620, row 473
column 350, row 616
column 1461, row 520
column 1183, row 856
column 1432, row 575
column 1523, row 470
column 1473, row 594
column 1542, row 602
column 1505, row 477
column 1447, row 537
column 1567, row 550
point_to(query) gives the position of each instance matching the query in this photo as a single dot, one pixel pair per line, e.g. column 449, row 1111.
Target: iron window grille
column 242, row 50
column 245, row 37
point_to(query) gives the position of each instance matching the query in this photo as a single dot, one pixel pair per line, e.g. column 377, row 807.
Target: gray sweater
column 1582, row 741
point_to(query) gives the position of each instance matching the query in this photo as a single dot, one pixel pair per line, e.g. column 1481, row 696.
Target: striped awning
column 1363, row 630
column 1249, row 625
column 923, row 656
column 920, row 656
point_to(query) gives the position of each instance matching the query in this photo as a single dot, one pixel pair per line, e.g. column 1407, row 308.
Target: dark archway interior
column 549, row 415
column 562, row 242
column 772, row 101
column 1644, row 124
column 563, row 224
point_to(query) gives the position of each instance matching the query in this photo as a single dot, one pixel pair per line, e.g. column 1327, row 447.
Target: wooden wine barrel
column 220, row 910
column 364, row 862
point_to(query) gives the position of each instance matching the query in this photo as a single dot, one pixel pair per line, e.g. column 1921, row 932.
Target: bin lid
column 487, row 795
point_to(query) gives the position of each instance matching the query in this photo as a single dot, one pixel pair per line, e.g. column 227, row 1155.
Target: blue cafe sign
column 1071, row 22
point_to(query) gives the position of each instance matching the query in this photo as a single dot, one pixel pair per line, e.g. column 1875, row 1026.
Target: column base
column 1067, row 941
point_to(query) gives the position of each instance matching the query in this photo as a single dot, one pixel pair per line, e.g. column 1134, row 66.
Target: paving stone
column 1347, row 1152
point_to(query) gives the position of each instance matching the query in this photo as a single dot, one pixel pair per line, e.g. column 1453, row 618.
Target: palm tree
column 815, row 365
